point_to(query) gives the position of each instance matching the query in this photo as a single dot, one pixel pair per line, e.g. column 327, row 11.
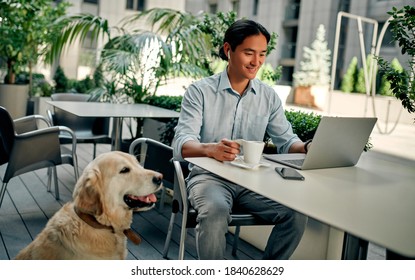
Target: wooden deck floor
column 27, row 206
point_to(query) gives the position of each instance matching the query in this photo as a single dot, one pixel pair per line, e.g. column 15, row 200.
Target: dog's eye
column 125, row 170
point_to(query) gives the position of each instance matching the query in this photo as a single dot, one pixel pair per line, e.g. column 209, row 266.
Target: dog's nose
column 158, row 179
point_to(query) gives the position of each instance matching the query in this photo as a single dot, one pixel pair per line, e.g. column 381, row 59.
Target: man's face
column 248, row 57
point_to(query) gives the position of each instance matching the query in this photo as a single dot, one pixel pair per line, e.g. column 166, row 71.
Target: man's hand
column 225, row 150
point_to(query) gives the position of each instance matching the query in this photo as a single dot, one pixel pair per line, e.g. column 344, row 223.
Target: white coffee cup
column 252, row 150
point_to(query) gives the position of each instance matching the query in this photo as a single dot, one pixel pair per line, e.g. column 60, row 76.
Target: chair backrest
column 22, row 152
column 30, row 123
column 81, row 97
column 156, row 156
column 6, row 135
column 61, row 117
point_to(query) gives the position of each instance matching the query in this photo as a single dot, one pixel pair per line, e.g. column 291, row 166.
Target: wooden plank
column 13, row 231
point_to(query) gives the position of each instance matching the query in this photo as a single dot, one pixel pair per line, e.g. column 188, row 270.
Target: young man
column 235, row 105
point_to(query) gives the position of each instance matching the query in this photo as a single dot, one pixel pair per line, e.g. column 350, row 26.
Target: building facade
column 294, row 21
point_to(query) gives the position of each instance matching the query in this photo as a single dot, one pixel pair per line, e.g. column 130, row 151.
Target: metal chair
column 87, row 129
column 25, row 147
column 189, row 214
column 157, row 156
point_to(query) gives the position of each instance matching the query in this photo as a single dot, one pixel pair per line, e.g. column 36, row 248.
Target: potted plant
column 27, row 32
column 402, row 81
column 311, row 82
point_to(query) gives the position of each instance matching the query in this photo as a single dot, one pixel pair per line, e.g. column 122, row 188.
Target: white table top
column 101, row 109
column 374, row 200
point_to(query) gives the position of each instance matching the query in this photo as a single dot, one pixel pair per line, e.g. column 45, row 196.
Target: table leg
column 354, row 248
column 116, row 134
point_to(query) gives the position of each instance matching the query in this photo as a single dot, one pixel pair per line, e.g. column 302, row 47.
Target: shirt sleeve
column 190, row 120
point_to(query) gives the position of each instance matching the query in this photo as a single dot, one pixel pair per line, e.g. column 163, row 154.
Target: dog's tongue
column 147, row 198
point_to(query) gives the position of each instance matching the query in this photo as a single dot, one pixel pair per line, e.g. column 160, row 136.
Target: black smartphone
column 289, row 173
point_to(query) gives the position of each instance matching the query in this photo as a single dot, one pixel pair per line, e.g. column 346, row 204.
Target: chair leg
column 169, row 234
column 75, row 168
column 162, row 199
column 55, row 177
column 235, row 240
column 2, row 192
column 183, row 233
column 94, row 153
column 49, row 184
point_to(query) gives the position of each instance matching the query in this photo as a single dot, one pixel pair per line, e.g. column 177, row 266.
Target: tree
column 27, row 33
column 315, row 66
column 402, row 25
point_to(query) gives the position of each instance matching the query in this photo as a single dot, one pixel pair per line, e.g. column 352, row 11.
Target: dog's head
column 114, row 183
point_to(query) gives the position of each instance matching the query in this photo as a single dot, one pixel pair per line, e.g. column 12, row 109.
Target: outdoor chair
column 27, row 146
column 157, row 156
column 87, row 129
column 181, row 205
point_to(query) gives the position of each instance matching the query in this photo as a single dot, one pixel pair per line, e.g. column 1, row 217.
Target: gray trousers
column 214, row 198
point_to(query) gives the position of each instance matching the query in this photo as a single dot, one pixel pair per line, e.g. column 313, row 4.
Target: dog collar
column 92, row 221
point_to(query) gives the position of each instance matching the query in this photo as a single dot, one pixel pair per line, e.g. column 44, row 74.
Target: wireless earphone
column 229, row 54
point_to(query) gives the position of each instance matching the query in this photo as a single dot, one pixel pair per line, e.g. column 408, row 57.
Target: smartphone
column 289, row 173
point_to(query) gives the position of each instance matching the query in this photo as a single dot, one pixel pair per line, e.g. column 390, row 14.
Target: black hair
column 238, row 32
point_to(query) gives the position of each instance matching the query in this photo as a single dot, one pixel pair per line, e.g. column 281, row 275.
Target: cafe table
column 373, row 201
column 116, row 111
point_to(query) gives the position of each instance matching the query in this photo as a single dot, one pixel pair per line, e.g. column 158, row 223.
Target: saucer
column 239, row 162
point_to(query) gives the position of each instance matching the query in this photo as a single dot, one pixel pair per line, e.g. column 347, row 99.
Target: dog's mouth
column 137, row 202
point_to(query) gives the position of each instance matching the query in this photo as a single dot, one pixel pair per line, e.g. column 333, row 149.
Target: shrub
column 303, row 124
column 61, row 81
column 360, row 86
column 350, row 78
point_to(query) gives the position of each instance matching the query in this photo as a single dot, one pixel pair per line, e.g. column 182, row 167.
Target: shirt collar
column 225, row 84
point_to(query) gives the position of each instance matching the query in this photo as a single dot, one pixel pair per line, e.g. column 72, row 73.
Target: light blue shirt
column 211, row 110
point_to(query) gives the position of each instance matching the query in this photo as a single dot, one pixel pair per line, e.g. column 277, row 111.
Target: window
column 141, row 5
column 213, row 8
column 235, row 6
column 130, row 5
column 138, row 5
column 255, row 9
column 91, row 1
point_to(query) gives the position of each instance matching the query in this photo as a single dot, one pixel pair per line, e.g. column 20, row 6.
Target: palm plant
column 175, row 48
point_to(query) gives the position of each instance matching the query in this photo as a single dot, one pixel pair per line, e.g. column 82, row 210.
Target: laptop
column 338, row 142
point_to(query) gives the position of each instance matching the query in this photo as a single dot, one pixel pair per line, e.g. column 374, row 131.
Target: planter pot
column 313, row 96
column 283, row 92
column 14, row 98
column 40, row 105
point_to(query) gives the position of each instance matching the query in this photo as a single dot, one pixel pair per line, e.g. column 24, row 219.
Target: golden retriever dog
column 96, row 223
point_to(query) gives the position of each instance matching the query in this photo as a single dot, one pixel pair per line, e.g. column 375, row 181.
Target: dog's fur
column 110, row 188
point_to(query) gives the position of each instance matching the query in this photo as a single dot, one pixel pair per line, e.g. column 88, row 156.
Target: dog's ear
column 87, row 195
